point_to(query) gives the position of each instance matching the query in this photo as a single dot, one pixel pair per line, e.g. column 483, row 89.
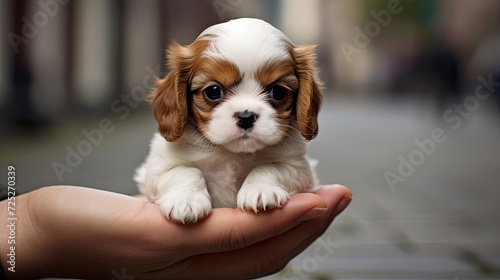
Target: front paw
column 185, row 207
column 261, row 197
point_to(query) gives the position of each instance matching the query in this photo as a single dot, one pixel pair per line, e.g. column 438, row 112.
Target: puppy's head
column 242, row 84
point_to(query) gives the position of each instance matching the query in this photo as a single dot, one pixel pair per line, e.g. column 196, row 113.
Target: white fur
column 254, row 169
column 223, row 131
column 241, row 42
column 189, row 177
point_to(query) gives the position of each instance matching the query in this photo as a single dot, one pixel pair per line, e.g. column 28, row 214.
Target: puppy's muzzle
column 245, row 119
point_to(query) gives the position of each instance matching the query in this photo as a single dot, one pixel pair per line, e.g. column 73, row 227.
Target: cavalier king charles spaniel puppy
column 234, row 114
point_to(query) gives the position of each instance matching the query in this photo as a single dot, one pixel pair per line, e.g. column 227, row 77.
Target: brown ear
column 309, row 96
column 168, row 99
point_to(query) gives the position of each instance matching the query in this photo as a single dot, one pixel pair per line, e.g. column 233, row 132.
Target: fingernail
column 313, row 213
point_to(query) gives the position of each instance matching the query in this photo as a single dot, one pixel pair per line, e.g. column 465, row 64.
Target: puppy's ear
column 168, row 99
column 309, row 96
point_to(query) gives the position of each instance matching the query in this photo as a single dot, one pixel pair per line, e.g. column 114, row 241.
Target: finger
column 299, row 238
column 339, row 208
column 309, row 240
column 272, row 254
column 230, row 229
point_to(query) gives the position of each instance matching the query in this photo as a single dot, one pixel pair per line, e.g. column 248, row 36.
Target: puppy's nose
column 245, row 119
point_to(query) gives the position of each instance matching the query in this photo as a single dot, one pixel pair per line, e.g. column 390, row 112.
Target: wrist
column 24, row 245
column 4, row 240
column 13, row 245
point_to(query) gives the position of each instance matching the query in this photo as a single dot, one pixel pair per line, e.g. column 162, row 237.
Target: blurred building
column 62, row 57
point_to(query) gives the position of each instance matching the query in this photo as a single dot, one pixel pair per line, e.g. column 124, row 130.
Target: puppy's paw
column 185, row 207
column 261, row 197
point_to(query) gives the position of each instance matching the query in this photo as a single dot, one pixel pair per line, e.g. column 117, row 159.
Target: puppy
column 234, row 115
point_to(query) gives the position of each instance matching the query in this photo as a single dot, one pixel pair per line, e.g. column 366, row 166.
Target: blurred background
column 411, row 120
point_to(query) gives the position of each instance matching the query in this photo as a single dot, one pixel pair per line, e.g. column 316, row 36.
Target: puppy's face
column 242, row 84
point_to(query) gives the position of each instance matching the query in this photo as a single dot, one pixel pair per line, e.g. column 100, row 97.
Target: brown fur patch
column 280, row 73
column 277, row 72
column 309, row 95
column 168, row 99
column 209, row 72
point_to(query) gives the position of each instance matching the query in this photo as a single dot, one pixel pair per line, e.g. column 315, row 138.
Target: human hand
column 67, row 231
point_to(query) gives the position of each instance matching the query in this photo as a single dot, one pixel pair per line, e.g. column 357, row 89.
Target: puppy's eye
column 213, row 93
column 277, row 93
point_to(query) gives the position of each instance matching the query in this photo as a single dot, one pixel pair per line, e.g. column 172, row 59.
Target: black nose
column 245, row 119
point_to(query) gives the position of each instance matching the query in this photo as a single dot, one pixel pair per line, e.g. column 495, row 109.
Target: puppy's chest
column 227, row 173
